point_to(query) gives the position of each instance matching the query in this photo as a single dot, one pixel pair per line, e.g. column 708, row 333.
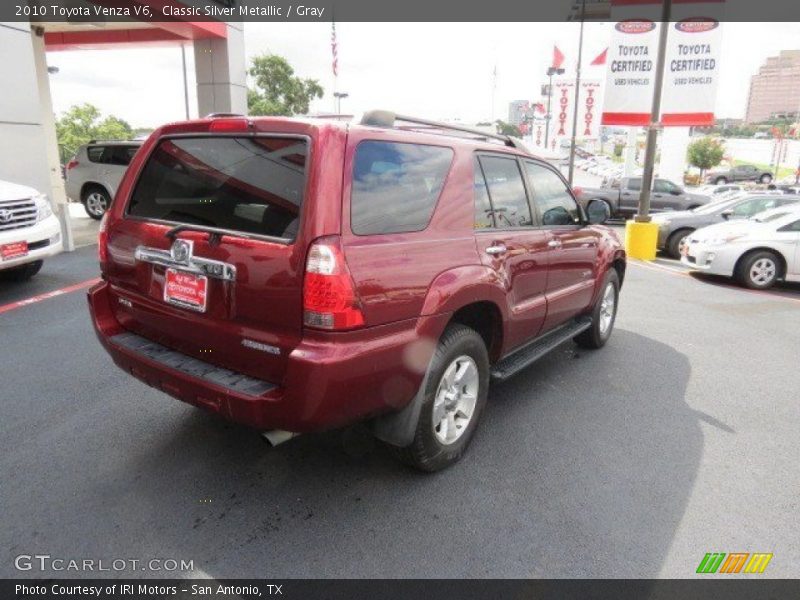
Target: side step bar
column 530, row 353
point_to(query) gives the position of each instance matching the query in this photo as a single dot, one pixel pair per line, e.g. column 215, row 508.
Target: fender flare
column 446, row 294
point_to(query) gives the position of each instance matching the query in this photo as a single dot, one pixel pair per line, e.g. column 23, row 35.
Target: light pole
column 339, row 96
column 577, row 96
column 550, row 72
column 643, row 212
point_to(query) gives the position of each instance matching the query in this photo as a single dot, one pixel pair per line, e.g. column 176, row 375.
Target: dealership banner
column 691, row 69
column 562, row 105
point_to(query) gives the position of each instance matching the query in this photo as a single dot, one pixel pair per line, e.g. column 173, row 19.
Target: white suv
column 94, row 173
column 29, row 232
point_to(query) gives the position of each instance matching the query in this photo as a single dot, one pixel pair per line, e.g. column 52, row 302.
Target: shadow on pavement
column 784, row 289
column 581, row 468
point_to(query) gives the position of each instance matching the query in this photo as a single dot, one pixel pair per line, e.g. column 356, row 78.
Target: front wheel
column 759, row 270
column 676, row 241
column 454, row 398
column 766, row 178
column 604, row 314
column 720, row 181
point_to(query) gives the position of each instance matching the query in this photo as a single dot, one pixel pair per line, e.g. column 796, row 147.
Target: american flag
column 334, row 50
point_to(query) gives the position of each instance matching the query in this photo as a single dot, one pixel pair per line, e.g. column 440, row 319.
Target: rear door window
column 396, row 186
column 252, row 185
column 484, row 217
column 121, row 155
column 507, row 192
column 553, row 200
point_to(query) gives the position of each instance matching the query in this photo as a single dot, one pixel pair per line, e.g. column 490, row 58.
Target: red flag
column 558, row 58
column 601, row 58
column 334, row 50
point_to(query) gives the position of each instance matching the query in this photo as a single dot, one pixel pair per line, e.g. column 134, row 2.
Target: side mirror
column 597, row 212
column 726, row 214
column 676, row 191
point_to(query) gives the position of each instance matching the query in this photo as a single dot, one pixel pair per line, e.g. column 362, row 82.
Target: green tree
column 83, row 123
column 705, row 153
column 277, row 90
column 504, row 128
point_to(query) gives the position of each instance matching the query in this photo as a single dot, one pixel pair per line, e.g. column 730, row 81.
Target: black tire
column 720, row 181
column 96, row 201
column 596, row 336
column 427, row 452
column 769, row 270
column 674, row 242
column 23, row 272
column 765, row 178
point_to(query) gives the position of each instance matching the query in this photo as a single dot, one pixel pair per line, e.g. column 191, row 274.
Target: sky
column 433, row 70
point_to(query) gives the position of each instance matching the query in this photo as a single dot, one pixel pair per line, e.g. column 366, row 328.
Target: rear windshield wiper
column 214, row 237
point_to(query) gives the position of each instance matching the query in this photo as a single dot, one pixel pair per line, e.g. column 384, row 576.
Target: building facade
column 775, row 89
column 29, row 149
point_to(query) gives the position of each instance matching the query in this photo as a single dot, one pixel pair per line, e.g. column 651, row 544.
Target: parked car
column 94, row 173
column 622, row 196
column 297, row 275
column 757, row 252
column 739, row 173
column 29, row 232
column 717, row 190
column 674, row 227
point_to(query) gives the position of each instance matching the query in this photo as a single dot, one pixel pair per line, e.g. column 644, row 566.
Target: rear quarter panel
column 393, row 272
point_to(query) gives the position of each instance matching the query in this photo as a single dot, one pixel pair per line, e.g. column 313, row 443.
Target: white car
column 29, row 232
column 757, row 252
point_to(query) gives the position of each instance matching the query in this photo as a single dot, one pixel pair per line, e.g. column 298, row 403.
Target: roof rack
column 387, row 119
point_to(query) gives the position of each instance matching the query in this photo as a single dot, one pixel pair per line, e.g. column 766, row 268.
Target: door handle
column 496, row 250
column 554, row 243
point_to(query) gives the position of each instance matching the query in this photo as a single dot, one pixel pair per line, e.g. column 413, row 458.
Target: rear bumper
column 328, row 383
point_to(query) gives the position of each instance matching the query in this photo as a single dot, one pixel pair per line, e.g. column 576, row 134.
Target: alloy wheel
column 763, row 271
column 455, row 400
column 608, row 305
column 96, row 203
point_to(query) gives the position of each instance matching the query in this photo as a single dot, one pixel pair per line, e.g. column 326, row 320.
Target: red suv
column 297, row 275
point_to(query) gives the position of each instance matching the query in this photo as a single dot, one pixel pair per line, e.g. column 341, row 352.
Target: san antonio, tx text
column 98, row 591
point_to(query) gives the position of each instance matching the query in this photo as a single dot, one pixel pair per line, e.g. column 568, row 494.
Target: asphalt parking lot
column 677, row 439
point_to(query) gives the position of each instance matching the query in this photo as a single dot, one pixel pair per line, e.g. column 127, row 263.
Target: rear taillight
column 72, row 164
column 577, row 191
column 330, row 300
column 102, row 241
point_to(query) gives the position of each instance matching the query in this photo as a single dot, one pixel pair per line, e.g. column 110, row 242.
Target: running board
column 523, row 357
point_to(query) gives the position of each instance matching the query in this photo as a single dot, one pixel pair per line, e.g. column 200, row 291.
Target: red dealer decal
column 635, row 26
column 696, row 25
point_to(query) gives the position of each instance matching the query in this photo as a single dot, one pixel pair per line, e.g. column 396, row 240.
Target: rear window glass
column 395, row 186
column 252, row 185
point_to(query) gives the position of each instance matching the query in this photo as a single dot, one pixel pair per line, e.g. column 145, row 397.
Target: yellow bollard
column 641, row 240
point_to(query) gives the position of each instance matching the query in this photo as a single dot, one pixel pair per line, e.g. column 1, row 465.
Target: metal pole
column 577, row 97
column 185, row 81
column 643, row 213
column 547, row 118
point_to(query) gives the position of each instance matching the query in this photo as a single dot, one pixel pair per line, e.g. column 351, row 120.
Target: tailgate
column 204, row 260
